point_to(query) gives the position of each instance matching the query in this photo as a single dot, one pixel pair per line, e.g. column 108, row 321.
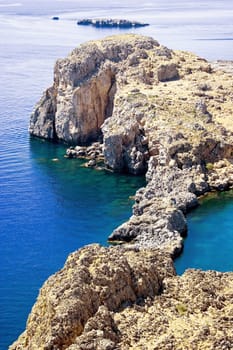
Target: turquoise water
column 209, row 245
column 49, row 207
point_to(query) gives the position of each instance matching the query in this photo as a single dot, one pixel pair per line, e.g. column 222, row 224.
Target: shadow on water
column 209, row 244
column 55, row 207
column 86, row 202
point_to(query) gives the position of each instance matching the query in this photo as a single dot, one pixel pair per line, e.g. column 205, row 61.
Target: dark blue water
column 209, row 244
column 50, row 206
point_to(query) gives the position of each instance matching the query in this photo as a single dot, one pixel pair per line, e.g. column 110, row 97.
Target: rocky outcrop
column 157, row 111
column 160, row 112
column 158, row 214
column 81, row 98
column 111, row 23
column 107, row 299
column 142, row 100
column 94, row 282
column 193, row 312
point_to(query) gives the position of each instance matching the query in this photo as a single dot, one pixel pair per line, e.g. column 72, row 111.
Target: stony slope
column 167, row 114
column 109, row 299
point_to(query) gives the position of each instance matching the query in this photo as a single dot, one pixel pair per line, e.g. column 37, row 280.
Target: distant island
column 111, row 23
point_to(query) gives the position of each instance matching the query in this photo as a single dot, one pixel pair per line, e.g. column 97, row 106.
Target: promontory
column 168, row 115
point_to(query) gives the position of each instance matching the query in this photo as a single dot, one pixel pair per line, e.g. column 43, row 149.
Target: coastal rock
column 94, row 282
column 81, row 98
column 167, row 114
column 194, row 311
column 167, row 72
column 121, row 298
column 158, row 214
column 140, row 99
column 154, row 111
column 93, row 153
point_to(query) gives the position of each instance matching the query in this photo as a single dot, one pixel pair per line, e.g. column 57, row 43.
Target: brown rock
column 167, row 72
column 92, row 279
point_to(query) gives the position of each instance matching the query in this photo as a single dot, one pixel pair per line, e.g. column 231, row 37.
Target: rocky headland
column 143, row 109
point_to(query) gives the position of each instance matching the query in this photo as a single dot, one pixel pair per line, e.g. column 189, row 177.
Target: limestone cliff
column 167, row 114
column 143, row 99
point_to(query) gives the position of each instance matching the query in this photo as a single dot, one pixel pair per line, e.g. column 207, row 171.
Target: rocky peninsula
column 166, row 114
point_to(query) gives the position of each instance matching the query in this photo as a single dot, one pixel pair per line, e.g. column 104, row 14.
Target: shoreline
column 177, row 107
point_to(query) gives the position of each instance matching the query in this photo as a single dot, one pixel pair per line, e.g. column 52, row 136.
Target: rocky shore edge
column 166, row 114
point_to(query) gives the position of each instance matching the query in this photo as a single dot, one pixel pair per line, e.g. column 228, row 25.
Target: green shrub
column 209, row 166
column 181, row 309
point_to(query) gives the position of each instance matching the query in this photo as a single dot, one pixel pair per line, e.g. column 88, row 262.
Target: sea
column 50, row 205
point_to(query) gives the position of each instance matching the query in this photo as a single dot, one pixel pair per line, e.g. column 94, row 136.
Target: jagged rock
column 83, row 91
column 116, row 298
column 94, row 282
column 141, row 99
column 193, row 312
column 117, row 90
column 150, row 108
column 95, row 151
column 167, row 72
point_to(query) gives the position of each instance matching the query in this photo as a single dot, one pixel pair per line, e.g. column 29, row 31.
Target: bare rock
column 193, row 310
column 167, row 72
column 94, row 282
column 81, row 98
column 107, row 299
column 160, row 112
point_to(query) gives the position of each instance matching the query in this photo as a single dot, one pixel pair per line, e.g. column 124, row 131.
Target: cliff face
column 168, row 114
column 143, row 100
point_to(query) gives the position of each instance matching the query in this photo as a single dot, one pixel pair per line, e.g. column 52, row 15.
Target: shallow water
column 50, row 206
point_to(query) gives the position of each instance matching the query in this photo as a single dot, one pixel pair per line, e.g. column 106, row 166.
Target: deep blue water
column 50, row 206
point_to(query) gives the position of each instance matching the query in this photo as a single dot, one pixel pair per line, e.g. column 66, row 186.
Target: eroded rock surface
column 107, row 299
column 94, row 282
column 167, row 114
column 193, row 312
